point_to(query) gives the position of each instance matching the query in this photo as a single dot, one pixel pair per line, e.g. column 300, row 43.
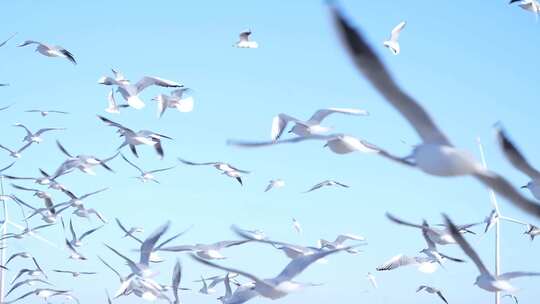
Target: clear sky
column 470, row 63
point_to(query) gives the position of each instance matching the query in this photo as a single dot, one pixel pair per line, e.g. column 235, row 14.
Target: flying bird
column 146, row 176
column 435, row 155
column 296, row 225
column 113, row 107
column 275, row 183
column 225, row 168
column 130, row 92
column 326, row 183
column 44, row 113
column 392, row 44
column 312, row 125
column 245, row 42
column 179, row 99
column 432, row 290
column 50, row 50
column 35, row 137
column 485, row 279
column 16, row 153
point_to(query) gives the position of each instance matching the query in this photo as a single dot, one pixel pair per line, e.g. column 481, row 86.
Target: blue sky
column 470, row 64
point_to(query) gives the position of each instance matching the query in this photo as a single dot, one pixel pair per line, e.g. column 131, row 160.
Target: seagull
column 29, row 282
column 177, row 100
column 311, row 126
column 511, row 296
column 326, row 183
column 340, row 240
column 486, row 280
column 296, row 225
column 81, row 211
column 337, row 143
column 372, row 280
column 22, row 254
column 129, row 232
column 146, row 176
column 392, row 44
column 432, row 290
column 30, row 272
column 519, row 162
column 16, row 153
column 431, row 251
column 142, row 268
column 82, row 162
column 75, row 274
column 438, row 236
column 245, row 42
column 142, row 137
column 113, row 107
column 275, row 183
column 282, row 284
column 46, row 112
column 214, row 281
column 490, row 220
column 435, row 155
column 176, row 278
column 7, row 40
column 532, row 231
column 46, row 197
column 77, row 241
column 76, row 201
column 46, row 214
column 154, row 257
column 226, row 168
column 205, row 289
column 35, row 137
column 50, row 51
column 74, row 254
column 130, row 92
column 44, row 293
column 242, row 294
column 45, row 180
column 206, row 251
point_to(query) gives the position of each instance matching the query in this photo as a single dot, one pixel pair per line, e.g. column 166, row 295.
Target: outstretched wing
column 323, row 113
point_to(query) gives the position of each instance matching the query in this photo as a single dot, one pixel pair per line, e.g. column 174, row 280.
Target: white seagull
column 529, row 5
column 340, row 241
column 146, row 176
column 177, row 100
column 50, row 50
column 83, row 162
column 392, row 44
column 311, row 126
column 245, row 42
column 275, row 183
column 44, row 113
column 533, row 231
column 142, row 137
column 16, row 153
column 225, row 168
column 282, row 284
column 327, row 183
column 130, row 92
column 435, row 155
column 432, row 290
column 35, row 137
column 486, row 280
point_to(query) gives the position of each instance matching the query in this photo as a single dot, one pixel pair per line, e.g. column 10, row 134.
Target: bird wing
column 397, row 30
column 176, row 278
column 465, row 246
column 21, row 297
column 132, row 164
column 111, row 268
column 132, row 265
column 148, row 245
column 323, row 113
column 315, row 187
column 402, row 222
column 194, row 163
column 172, row 238
column 59, row 112
column 28, row 42
column 73, row 234
column 500, row 185
column 41, row 131
column 68, row 55
column 114, row 124
column 279, row 123
column 28, row 132
column 517, row 274
column 6, row 41
column 227, row 244
column 257, row 144
column 7, row 167
column 341, row 184
column 162, row 169
column 127, row 231
column 59, row 145
column 87, row 233
column 150, row 80
column 451, row 258
column 24, row 147
column 430, row 243
column 93, row 193
column 24, row 188
column 374, row 70
column 515, row 157
column 301, row 263
column 439, row 293
column 397, row 261
column 228, row 269
column 340, row 239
